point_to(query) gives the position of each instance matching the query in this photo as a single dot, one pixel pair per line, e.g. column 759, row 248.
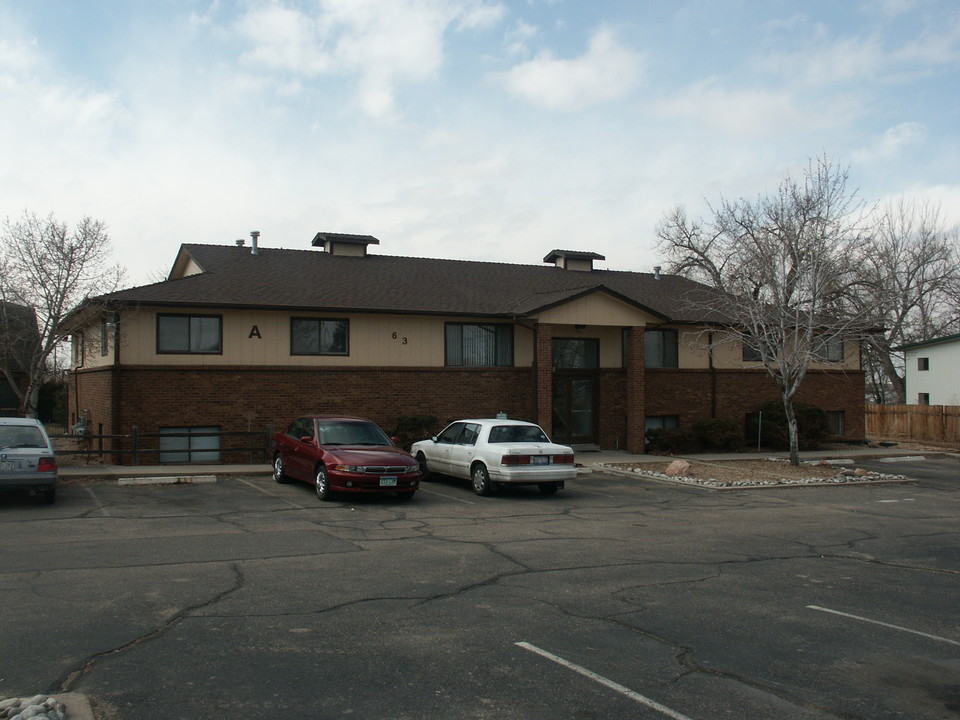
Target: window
column 660, row 348
column 476, row 345
column 189, row 444
column 833, row 349
column 317, row 336
column 450, row 434
column 77, row 347
column 189, row 334
column 750, row 353
column 518, row 434
column 576, row 353
column 923, row 398
column 104, row 335
column 661, row 422
column 923, row 363
column 301, row 428
column 835, row 419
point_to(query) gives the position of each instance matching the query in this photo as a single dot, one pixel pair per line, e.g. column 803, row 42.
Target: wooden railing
column 932, row 423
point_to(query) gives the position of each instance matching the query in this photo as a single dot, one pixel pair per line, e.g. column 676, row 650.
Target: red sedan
column 343, row 454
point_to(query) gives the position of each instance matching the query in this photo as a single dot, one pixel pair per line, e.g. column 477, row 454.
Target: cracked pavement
column 247, row 598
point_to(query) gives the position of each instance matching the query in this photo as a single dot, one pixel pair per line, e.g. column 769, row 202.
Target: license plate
column 8, row 466
column 388, row 482
column 540, row 460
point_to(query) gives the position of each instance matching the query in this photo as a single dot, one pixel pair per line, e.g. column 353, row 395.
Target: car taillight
column 46, row 465
column 511, row 460
column 563, row 459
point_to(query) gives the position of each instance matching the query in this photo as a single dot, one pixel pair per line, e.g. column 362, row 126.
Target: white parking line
column 444, row 495
column 267, row 492
column 883, row 624
column 626, row 692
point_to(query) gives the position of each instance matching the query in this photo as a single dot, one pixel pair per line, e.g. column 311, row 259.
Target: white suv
column 27, row 461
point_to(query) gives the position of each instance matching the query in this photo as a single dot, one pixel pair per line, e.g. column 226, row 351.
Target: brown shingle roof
column 314, row 280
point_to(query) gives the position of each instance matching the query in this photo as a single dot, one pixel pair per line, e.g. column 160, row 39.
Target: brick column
column 543, row 372
column 636, row 391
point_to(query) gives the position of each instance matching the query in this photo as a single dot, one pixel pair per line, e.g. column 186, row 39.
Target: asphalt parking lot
column 616, row 598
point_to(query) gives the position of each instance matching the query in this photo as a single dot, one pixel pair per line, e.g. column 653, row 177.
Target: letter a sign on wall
column 254, row 332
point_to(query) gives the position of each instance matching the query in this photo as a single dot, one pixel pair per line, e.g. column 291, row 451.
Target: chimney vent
column 254, row 236
column 656, row 272
column 239, row 242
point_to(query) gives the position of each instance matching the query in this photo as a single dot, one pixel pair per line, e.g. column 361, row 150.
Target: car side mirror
column 395, row 441
column 434, row 438
column 306, row 439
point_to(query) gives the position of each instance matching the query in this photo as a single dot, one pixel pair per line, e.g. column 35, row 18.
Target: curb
column 771, row 486
column 168, row 480
column 77, row 706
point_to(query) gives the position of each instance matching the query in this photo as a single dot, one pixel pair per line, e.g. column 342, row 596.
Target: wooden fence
column 932, row 423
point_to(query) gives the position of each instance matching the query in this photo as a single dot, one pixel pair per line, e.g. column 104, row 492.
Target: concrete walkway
column 193, row 473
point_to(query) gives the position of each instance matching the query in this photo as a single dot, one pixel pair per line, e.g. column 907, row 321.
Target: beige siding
column 262, row 337
column 596, row 309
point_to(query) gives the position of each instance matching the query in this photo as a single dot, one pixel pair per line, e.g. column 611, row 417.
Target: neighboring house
column 18, row 337
column 241, row 338
column 933, row 371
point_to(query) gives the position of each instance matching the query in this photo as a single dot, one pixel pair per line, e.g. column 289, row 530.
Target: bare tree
column 48, row 268
column 909, row 282
column 781, row 263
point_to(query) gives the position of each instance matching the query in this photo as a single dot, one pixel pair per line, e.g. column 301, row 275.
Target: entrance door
column 576, row 384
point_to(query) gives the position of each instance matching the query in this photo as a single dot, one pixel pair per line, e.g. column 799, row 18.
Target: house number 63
column 403, row 339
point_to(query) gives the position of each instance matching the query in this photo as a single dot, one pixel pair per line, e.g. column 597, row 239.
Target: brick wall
column 250, row 399
column 92, row 390
column 690, row 394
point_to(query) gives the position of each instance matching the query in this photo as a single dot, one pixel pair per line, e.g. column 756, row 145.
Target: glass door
column 576, row 383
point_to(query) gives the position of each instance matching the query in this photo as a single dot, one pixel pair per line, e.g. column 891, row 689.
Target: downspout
column 117, row 384
column 713, row 377
column 76, row 376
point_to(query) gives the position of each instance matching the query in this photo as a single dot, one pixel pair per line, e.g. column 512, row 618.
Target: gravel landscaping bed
column 768, row 472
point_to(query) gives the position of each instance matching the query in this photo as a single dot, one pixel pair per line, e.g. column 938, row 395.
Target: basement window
column 835, row 421
column 923, row 398
column 180, row 445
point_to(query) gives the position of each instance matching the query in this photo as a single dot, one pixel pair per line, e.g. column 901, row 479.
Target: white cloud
column 736, row 112
column 607, row 71
column 482, row 15
column 843, row 61
column 384, row 45
column 891, row 143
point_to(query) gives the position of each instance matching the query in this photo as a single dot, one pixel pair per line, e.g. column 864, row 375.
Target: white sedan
column 494, row 452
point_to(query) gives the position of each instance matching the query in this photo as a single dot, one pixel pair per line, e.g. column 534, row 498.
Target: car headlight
column 347, row 468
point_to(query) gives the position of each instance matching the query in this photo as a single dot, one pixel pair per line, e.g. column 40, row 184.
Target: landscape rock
column 678, row 467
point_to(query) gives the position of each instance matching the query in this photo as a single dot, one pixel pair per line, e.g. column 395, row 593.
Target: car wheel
column 278, row 472
column 481, row 480
column 548, row 488
column 49, row 496
column 322, row 484
column 425, row 473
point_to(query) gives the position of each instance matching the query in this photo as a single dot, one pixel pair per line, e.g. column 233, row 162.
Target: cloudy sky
column 470, row 129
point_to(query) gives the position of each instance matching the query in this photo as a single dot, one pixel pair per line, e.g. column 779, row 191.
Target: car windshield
column 517, row 433
column 21, row 436
column 341, row 432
